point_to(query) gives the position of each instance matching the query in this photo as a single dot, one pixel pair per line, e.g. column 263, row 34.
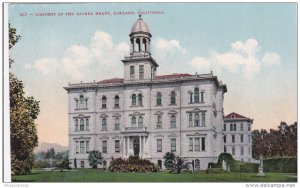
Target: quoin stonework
column 147, row 115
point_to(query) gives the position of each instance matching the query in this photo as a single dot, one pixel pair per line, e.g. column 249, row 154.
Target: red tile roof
column 112, row 81
column 170, row 76
column 229, row 116
column 162, row 77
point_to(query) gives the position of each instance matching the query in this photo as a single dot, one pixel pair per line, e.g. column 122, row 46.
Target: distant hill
column 44, row 146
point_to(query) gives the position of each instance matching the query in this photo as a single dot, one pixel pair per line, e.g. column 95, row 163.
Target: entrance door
column 136, row 147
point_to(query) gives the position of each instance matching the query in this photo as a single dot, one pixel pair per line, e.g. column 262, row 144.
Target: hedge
column 284, row 165
column 235, row 166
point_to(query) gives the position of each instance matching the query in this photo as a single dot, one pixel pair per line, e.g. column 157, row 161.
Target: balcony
column 135, row 130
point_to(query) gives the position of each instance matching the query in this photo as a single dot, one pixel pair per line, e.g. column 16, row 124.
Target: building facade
column 237, row 136
column 145, row 114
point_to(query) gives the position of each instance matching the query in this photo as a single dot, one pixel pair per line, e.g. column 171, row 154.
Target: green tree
column 50, row 154
column 169, row 160
column 95, row 158
column 23, row 111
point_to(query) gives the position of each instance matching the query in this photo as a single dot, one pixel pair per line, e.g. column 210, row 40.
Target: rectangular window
column 225, row 149
column 191, row 144
column 141, row 72
column 191, row 97
column 203, row 119
column 117, row 124
column 225, row 138
column 77, row 147
column 82, row 147
column 249, row 138
column 173, row 145
column 202, row 97
column 87, row 124
column 231, row 127
column 233, row 150
column 242, row 138
column 224, row 128
column 242, row 150
column 159, row 122
column 159, row 145
column 117, row 146
column 242, row 127
column 203, row 144
column 232, row 138
column 132, row 72
column 104, row 146
column 87, row 145
column 197, row 144
column 234, row 127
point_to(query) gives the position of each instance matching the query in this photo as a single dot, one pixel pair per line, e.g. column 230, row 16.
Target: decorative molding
column 116, row 137
column 159, row 136
column 173, row 135
column 103, row 115
column 82, row 138
column 158, row 113
column 104, row 137
column 197, row 134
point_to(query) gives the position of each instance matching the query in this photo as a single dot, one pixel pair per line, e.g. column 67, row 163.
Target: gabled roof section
column 234, row 115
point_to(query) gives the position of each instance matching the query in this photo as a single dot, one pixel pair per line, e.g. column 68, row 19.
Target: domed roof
column 140, row 26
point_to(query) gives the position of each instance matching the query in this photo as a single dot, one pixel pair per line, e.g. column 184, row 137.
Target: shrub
column 285, row 165
column 132, row 164
column 235, row 166
column 64, row 165
column 95, row 158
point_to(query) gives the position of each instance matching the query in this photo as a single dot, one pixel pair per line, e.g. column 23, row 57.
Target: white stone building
column 145, row 114
column 237, row 136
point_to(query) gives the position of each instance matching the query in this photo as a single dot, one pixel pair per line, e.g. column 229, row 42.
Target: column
column 140, row 140
column 144, row 144
column 127, row 146
column 124, row 145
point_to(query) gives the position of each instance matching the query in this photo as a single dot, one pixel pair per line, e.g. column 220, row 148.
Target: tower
column 139, row 65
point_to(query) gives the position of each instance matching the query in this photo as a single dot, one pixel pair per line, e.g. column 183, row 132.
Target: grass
column 95, row 175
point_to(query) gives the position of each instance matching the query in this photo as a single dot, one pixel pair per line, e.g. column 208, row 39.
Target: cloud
column 44, row 65
column 242, row 56
column 201, row 64
column 101, row 56
column 163, row 47
column 270, row 59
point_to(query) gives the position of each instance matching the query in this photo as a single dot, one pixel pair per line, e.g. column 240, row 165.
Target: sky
column 251, row 47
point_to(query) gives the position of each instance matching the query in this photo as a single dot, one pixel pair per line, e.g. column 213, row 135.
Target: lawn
column 94, row 175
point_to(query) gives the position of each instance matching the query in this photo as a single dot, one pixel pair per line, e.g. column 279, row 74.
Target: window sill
column 172, row 127
column 172, row 104
column 136, row 106
column 81, row 109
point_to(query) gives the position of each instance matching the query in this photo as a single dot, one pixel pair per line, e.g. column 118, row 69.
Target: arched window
column 138, row 41
column 117, row 124
column 190, row 119
column 140, row 121
column 197, row 120
column 197, row 164
column 81, row 125
column 103, row 102
column 104, row 164
column 133, row 121
column 158, row 99
column 133, row 99
column 159, row 164
column 117, row 101
column 76, row 124
column 196, row 95
column 173, row 121
column 173, row 97
column 140, row 99
column 81, row 99
column 82, row 164
column 159, row 122
column 145, row 44
column 104, row 124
